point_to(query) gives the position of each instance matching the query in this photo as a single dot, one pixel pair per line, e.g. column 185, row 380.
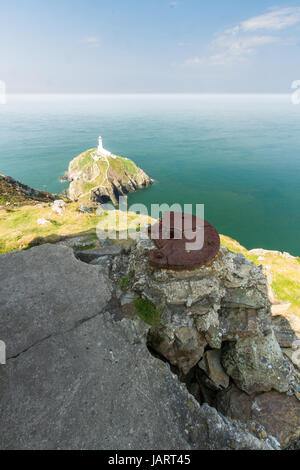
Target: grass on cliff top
column 79, row 162
column 19, row 228
column 286, row 272
column 121, row 164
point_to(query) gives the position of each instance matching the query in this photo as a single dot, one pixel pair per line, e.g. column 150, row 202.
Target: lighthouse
column 101, row 150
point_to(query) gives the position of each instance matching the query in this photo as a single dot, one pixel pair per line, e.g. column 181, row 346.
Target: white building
column 101, row 150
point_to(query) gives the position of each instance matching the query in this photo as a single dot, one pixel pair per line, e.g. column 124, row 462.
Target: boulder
column 257, row 364
column 43, row 221
column 183, row 347
column 58, row 206
column 278, row 413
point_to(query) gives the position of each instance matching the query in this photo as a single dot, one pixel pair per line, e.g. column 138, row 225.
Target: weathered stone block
column 278, row 413
column 256, row 364
column 89, row 255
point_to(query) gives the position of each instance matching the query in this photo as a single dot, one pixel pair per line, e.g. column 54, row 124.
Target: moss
column 124, row 282
column 147, row 312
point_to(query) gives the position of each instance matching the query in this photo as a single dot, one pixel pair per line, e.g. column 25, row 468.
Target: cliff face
column 104, row 178
column 14, row 192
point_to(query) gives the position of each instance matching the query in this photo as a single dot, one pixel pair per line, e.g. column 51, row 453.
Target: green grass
column 286, row 288
column 10, row 199
column 124, row 282
column 19, row 228
column 121, row 164
column 118, row 164
column 147, row 311
column 85, row 159
column 82, row 160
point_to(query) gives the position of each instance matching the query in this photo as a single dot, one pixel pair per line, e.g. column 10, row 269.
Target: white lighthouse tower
column 101, row 150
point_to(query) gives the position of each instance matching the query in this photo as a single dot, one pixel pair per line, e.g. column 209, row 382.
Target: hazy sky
column 149, row 45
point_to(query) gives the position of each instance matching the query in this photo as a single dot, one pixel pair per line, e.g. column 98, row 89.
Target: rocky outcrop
column 14, row 192
column 102, row 179
column 78, row 376
column 216, row 327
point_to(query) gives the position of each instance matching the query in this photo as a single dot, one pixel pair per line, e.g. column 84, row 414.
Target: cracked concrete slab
column 91, row 388
column 46, row 290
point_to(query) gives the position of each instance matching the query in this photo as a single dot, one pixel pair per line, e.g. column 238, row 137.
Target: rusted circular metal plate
column 183, row 242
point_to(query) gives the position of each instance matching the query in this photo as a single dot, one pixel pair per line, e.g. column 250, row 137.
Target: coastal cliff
column 14, row 192
column 102, row 179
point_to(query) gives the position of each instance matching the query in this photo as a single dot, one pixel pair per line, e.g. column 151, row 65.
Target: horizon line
column 148, row 93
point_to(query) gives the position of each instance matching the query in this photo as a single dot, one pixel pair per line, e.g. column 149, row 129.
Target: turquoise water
column 237, row 154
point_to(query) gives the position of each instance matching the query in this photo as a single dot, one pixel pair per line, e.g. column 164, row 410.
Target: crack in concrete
column 59, row 333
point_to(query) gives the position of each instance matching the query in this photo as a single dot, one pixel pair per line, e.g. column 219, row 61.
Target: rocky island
column 99, row 176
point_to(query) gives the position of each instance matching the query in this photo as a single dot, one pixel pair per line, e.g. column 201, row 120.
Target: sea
column 239, row 155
